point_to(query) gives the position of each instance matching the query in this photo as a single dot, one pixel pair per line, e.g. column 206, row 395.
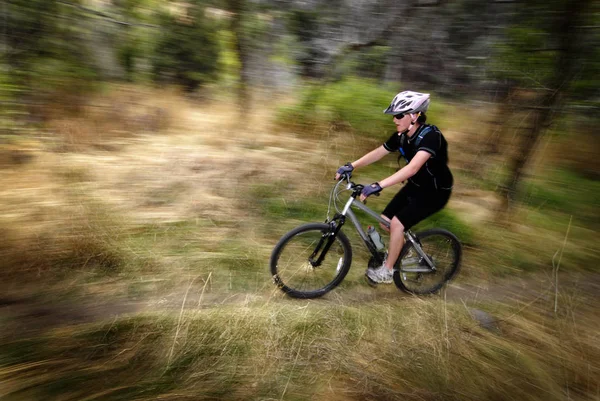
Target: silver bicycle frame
column 408, row 235
column 348, row 212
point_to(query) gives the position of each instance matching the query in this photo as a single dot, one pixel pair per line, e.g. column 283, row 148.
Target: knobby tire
column 292, row 271
column 440, row 245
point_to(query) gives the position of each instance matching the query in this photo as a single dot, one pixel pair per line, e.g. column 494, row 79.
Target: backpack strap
column 401, row 147
column 422, row 134
column 427, row 129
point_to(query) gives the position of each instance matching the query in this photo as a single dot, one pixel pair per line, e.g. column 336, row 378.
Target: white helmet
column 408, row 102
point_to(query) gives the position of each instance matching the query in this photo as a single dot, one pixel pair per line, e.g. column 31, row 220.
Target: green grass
column 553, row 224
column 565, row 191
column 403, row 349
column 448, row 220
column 279, row 201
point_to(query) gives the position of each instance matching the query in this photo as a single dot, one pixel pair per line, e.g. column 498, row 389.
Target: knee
column 396, row 226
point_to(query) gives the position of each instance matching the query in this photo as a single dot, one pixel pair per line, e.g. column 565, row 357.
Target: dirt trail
column 34, row 316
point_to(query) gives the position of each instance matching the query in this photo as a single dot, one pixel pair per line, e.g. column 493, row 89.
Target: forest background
column 152, row 152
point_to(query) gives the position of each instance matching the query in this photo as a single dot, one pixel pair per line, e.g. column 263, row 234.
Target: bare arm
column 407, row 171
column 371, row 157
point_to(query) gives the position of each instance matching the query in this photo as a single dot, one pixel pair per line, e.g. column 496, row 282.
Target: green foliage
column 352, row 103
column 133, row 9
column 59, row 77
column 229, row 64
column 127, row 54
column 132, row 46
column 519, row 57
column 304, row 26
column 584, row 89
column 247, row 33
column 187, row 53
column 47, row 57
column 530, row 54
column 255, row 27
column 527, row 55
column 9, row 92
column 372, row 62
column 133, row 41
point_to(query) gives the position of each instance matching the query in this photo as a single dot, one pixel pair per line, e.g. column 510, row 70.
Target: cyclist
column 429, row 180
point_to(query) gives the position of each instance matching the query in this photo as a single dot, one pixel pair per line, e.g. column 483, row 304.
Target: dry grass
column 409, row 349
column 120, row 113
column 134, row 267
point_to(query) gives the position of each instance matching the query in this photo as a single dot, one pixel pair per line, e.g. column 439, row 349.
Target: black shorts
column 412, row 205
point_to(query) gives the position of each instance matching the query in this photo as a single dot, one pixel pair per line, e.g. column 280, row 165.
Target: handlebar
column 355, row 188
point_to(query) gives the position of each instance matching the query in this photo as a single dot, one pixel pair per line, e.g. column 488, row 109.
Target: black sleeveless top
column 435, row 174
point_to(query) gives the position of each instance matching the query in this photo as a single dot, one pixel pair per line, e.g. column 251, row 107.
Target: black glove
column 372, row 189
column 346, row 169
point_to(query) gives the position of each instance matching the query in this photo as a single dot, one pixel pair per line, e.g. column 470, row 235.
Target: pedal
column 369, row 281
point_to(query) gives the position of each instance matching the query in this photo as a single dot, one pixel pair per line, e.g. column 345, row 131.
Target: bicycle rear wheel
column 412, row 273
column 292, row 261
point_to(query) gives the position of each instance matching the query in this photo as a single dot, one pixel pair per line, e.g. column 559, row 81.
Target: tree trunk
column 237, row 7
column 551, row 99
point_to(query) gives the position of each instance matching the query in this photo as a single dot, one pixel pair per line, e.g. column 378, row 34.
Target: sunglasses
column 399, row 116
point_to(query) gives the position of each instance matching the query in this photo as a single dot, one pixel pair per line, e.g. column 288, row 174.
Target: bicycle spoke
column 442, row 249
column 299, row 253
column 293, row 270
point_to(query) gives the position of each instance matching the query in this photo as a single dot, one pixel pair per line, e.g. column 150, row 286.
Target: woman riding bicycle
column 429, row 179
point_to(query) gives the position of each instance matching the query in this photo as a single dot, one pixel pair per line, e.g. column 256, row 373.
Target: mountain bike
column 314, row 258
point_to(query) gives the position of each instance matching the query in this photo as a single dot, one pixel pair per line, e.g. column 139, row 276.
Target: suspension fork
column 335, row 225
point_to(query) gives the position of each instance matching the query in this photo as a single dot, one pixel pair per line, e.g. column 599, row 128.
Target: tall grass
column 161, row 290
column 410, row 349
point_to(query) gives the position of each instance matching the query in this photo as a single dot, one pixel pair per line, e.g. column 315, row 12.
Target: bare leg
column 383, row 226
column 396, row 242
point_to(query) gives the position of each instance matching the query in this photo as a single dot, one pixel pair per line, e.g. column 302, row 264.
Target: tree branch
column 430, row 4
column 104, row 15
column 379, row 39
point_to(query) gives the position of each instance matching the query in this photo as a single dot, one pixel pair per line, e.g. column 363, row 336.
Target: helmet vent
column 409, row 102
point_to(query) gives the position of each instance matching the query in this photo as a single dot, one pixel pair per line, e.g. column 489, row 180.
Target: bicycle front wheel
column 413, row 274
column 293, row 260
